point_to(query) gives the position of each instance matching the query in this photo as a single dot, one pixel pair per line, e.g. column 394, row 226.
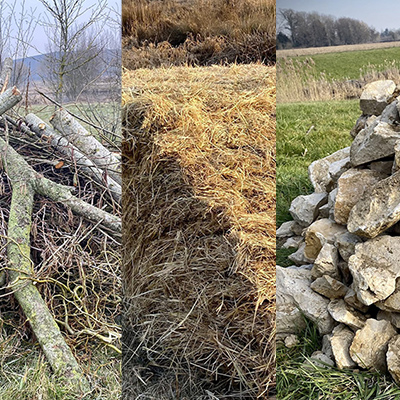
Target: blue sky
column 378, row 14
column 40, row 39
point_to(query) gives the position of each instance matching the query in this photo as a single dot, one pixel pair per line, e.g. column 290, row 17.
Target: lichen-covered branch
column 42, row 130
column 35, row 309
column 18, row 169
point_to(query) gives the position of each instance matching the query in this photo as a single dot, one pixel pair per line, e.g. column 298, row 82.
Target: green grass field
column 306, row 132
column 350, row 65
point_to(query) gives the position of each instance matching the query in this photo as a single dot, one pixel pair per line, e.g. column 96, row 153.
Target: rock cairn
column 347, row 235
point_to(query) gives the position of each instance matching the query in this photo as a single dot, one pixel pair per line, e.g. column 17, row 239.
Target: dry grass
column 199, row 239
column 197, row 32
column 298, row 81
column 334, row 49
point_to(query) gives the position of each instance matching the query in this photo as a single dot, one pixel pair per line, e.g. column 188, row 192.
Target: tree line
column 304, row 29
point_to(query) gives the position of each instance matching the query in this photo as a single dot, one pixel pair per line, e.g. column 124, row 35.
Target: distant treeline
column 303, row 29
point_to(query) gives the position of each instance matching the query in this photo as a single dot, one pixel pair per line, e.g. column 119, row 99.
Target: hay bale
column 199, row 223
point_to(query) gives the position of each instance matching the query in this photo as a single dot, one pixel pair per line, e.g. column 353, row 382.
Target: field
column 334, row 75
column 334, row 49
column 197, row 32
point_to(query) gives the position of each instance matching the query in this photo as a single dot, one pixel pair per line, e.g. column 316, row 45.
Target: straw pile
column 199, row 226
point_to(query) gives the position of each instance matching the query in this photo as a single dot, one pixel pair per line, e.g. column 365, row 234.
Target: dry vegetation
column 197, row 32
column 298, row 80
column 334, row 49
column 199, row 232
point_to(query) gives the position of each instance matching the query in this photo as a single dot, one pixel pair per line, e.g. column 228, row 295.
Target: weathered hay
column 199, row 224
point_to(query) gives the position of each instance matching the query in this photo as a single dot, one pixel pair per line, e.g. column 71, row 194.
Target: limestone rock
column 396, row 163
column 370, row 344
column 327, row 346
column 299, row 257
column 342, row 312
column 375, row 96
column 375, row 268
column 331, row 203
column 293, row 290
column 392, row 317
column 351, row 185
column 352, row 300
column 319, row 360
column 337, row 168
column 293, row 242
column 384, row 167
column 285, row 230
column 304, row 209
column 291, row 341
column 362, row 122
column 329, row 287
column 341, row 339
column 378, row 209
column 318, row 171
column 324, row 211
column 320, row 232
column 390, row 114
column 392, row 303
column 393, row 358
column 326, row 263
column 346, row 242
column 373, row 143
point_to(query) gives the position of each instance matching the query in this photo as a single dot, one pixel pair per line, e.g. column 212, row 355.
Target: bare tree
column 65, row 32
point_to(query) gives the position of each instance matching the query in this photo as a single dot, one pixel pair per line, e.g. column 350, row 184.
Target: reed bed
column 199, row 230
column 197, row 32
column 298, row 81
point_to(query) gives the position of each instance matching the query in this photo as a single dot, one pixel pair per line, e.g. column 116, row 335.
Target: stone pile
column 347, row 235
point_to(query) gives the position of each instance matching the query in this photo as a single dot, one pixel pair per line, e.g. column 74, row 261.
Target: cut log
column 16, row 168
column 9, row 99
column 21, row 271
column 71, row 129
column 44, row 131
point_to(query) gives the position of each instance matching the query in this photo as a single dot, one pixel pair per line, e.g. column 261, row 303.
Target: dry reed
column 197, row 32
column 297, row 81
column 199, row 226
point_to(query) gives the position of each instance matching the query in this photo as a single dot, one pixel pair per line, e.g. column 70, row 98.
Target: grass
column 306, row 132
column 29, row 376
column 334, row 49
column 295, row 381
column 334, row 76
column 197, row 32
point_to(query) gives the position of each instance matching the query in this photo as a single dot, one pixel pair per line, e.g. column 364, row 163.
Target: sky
column 379, row 14
column 39, row 41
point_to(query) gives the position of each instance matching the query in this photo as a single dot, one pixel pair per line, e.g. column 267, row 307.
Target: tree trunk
column 71, row 129
column 60, row 143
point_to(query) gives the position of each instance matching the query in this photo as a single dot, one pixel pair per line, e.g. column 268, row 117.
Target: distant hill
column 34, row 63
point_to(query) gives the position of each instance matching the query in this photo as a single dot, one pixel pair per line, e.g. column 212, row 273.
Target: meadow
column 334, row 75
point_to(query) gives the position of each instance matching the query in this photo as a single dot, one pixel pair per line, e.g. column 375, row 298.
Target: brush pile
column 347, row 235
column 73, row 255
column 199, row 228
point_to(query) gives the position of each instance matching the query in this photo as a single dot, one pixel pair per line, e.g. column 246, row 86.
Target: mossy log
column 71, row 129
column 44, row 131
column 21, row 271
